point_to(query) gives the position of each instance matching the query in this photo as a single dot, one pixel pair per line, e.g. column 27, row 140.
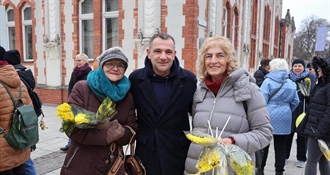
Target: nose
column 214, row 59
column 163, row 55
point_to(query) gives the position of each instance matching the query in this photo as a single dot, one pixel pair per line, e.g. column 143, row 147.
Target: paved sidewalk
column 48, row 158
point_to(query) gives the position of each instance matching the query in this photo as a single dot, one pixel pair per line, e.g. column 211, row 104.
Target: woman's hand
column 226, row 141
column 115, row 131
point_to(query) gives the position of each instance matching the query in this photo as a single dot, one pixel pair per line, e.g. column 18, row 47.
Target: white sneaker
column 300, row 164
column 286, row 161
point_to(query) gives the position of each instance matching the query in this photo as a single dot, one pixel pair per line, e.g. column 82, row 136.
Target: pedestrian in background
column 318, row 118
column 310, row 68
column 222, row 92
column 89, row 151
column 13, row 57
column 80, row 72
column 304, row 82
column 260, row 75
column 263, row 70
column 12, row 161
column 282, row 98
column 163, row 93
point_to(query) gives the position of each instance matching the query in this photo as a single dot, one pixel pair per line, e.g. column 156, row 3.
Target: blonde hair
column 83, row 56
column 216, row 41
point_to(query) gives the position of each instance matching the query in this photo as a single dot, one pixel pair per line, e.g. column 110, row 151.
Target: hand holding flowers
column 217, row 154
column 75, row 116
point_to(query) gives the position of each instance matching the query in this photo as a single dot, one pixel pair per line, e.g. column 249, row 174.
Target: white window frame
column 82, row 17
column 224, row 32
column 10, row 24
column 233, row 30
column 24, row 24
column 105, row 16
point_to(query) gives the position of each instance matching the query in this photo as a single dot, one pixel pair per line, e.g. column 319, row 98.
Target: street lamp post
column 280, row 40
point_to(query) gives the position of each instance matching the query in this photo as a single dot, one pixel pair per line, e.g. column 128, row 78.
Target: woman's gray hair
column 279, row 64
column 83, row 56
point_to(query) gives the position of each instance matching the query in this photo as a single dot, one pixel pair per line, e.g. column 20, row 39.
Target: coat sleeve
column 131, row 121
column 85, row 136
column 261, row 132
column 295, row 101
column 323, row 128
column 259, row 77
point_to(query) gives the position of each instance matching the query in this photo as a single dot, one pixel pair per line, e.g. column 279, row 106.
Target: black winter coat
column 259, row 75
column 318, row 123
column 161, row 143
column 74, row 80
column 318, row 116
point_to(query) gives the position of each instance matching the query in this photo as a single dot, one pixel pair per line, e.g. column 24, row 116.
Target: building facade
column 50, row 33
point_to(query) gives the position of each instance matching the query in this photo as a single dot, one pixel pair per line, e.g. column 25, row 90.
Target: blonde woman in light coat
column 222, row 90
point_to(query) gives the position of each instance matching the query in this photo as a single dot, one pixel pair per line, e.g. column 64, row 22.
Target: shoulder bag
column 132, row 164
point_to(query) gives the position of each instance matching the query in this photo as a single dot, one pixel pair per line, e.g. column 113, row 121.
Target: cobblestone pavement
column 48, row 159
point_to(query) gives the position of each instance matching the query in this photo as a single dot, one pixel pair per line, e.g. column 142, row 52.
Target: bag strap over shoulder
column 275, row 92
column 11, row 96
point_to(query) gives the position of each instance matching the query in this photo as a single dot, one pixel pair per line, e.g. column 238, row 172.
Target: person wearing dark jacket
column 318, row 118
column 89, row 151
column 260, row 74
column 80, row 72
column 261, row 155
column 163, row 93
column 305, row 81
column 13, row 57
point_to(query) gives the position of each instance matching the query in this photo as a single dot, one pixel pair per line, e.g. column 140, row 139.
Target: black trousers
column 20, row 170
column 301, row 147
column 280, row 152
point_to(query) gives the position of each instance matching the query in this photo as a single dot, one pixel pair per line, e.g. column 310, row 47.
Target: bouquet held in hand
column 75, row 116
column 216, row 156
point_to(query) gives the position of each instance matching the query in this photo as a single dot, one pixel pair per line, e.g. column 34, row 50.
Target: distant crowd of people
column 156, row 101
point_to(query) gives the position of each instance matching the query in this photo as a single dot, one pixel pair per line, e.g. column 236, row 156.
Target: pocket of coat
column 67, row 164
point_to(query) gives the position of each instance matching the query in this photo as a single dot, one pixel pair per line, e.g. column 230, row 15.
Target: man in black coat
column 163, row 93
column 261, row 155
column 260, row 74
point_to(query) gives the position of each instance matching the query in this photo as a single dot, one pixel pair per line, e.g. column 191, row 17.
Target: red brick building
column 49, row 33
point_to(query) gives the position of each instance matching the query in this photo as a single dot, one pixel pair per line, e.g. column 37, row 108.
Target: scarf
column 82, row 71
column 214, row 85
column 294, row 77
column 2, row 62
column 102, row 86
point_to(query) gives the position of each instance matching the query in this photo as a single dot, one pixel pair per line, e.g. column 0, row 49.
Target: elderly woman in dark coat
column 89, row 152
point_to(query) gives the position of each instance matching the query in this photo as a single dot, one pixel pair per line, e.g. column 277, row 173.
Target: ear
column 148, row 53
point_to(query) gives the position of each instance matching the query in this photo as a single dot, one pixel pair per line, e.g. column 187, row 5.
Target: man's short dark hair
column 264, row 62
column 163, row 36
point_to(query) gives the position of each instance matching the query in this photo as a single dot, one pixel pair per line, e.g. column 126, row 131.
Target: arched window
column 110, row 23
column 11, row 28
column 27, row 33
column 86, row 27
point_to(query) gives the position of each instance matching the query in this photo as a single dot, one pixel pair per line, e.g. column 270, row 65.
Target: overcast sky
column 302, row 9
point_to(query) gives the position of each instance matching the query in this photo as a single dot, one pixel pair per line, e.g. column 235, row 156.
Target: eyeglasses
column 111, row 65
